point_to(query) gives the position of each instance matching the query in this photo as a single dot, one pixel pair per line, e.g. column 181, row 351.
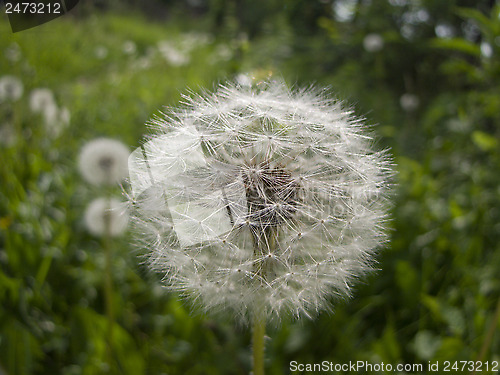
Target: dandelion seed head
column 11, row 88
column 260, row 198
column 106, row 214
column 103, row 161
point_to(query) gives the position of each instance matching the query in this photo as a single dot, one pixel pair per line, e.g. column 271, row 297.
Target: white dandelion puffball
column 11, row 88
column 103, row 161
column 106, row 215
column 373, row 43
column 261, row 199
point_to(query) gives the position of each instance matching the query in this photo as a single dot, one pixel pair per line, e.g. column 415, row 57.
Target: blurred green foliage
column 432, row 88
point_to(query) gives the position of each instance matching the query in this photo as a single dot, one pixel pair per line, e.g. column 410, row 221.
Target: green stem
column 259, row 330
column 108, row 283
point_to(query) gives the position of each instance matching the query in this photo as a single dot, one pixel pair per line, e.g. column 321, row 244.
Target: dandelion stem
column 259, row 329
column 108, row 283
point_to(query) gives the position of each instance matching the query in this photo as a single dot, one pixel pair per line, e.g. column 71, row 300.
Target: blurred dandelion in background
column 104, row 215
column 11, row 88
column 41, row 99
column 103, row 161
column 56, row 119
column 264, row 200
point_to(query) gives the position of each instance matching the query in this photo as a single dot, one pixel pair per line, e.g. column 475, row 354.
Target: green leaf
column 450, row 350
column 432, row 304
column 407, row 278
column 388, row 347
column 484, row 141
column 456, row 44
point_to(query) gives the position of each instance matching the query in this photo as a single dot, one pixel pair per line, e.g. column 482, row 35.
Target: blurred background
column 425, row 73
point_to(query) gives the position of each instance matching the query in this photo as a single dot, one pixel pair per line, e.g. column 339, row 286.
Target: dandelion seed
column 261, row 199
column 373, row 43
column 11, row 88
column 105, row 215
column 103, row 161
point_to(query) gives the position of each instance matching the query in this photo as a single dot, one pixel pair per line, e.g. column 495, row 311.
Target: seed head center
column 271, row 194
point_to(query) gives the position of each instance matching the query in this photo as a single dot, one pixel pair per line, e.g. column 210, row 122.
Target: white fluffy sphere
column 106, row 215
column 261, row 199
column 103, row 161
